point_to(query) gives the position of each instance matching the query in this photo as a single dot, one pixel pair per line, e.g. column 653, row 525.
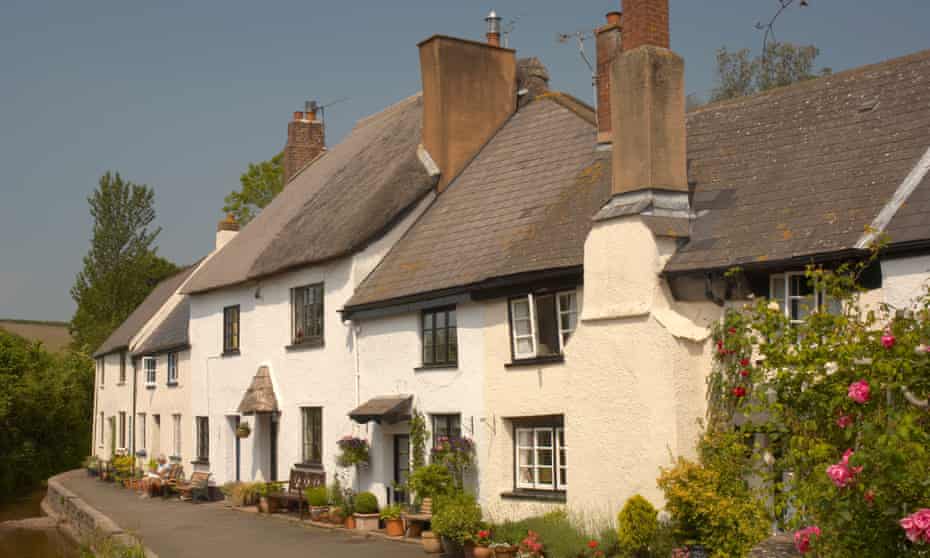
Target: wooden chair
column 170, row 479
column 424, row 517
column 296, row 484
column 197, row 488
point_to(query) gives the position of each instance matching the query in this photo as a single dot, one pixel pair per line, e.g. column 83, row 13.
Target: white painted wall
column 390, row 350
column 114, row 396
column 166, row 400
column 905, row 281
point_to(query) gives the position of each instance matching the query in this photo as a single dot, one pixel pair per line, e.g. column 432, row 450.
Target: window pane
column 548, row 328
column 427, row 321
column 544, row 438
column 545, row 476
column 440, row 345
column 568, row 302
column 800, row 285
column 522, row 327
column 524, row 346
column 544, row 457
column 526, row 475
column 563, row 477
column 452, row 322
column 525, row 438
column 440, row 319
column 568, row 322
column 778, row 287
column 526, row 457
column 521, row 309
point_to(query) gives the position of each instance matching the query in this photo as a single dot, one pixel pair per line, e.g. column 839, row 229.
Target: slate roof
column 122, row 336
column 335, row 206
column 802, row 170
column 523, row 204
column 171, row 333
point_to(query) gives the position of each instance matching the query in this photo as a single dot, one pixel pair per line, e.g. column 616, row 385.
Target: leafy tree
column 260, row 184
column 739, row 74
column 121, row 267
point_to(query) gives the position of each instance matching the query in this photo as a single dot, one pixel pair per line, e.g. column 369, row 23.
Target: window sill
column 310, row 466
column 199, row 461
column 231, row 353
column 171, row 384
column 174, row 458
column 450, row 366
column 151, row 386
column 551, row 359
column 313, row 343
column 557, row 496
column 120, row 383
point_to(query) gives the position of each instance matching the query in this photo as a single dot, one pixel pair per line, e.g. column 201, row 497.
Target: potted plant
column 393, row 523
column 90, row 463
column 456, row 519
column 318, row 500
column 504, row 549
column 266, row 504
column 354, row 451
column 482, row 542
column 243, row 430
column 431, row 542
column 366, row 512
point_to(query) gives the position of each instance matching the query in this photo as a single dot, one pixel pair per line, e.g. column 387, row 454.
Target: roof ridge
column 365, row 120
column 725, row 103
column 582, row 109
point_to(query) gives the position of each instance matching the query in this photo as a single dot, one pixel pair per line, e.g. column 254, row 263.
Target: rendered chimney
column 609, row 48
column 647, row 105
column 305, row 141
column 469, row 91
column 226, row 230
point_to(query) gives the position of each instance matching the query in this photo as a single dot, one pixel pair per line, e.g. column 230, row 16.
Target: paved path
column 176, row 529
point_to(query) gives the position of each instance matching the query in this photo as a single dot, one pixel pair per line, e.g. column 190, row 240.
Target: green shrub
column 365, row 502
column 431, row 481
column 336, row 496
column 561, row 538
column 391, row 512
column 457, row 517
column 317, row 496
column 637, row 525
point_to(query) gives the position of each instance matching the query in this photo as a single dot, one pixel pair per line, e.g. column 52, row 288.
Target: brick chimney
column 305, row 141
column 608, row 49
column 469, row 91
column 647, row 105
column 226, row 230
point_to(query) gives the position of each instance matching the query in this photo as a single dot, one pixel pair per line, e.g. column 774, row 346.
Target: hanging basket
column 243, row 430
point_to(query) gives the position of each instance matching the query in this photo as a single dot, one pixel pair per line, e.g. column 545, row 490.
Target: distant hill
column 53, row 335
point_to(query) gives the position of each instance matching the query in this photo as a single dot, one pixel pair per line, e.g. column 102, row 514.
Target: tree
column 781, row 64
column 260, row 184
column 122, row 266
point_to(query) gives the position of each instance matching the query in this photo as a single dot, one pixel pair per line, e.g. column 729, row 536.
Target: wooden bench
column 197, row 488
column 296, row 484
column 170, row 479
column 424, row 517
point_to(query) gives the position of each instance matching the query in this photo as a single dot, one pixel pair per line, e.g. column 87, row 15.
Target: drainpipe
column 356, row 328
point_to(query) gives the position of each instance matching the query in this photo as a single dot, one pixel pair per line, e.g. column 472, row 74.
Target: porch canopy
column 389, row 409
column 260, row 397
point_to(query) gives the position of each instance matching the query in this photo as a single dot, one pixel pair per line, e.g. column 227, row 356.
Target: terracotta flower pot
column 483, row 552
column 394, row 527
column 349, row 522
column 366, row 521
column 505, row 551
column 468, row 549
column 431, row 543
column 267, row 505
column 414, row 529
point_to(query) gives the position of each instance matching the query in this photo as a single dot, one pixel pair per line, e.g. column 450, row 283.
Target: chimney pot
column 613, row 18
column 494, row 29
column 226, row 229
column 298, row 115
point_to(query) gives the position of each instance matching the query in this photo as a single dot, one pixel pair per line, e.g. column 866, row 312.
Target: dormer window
column 149, row 366
column 541, row 324
column 797, row 298
column 307, row 317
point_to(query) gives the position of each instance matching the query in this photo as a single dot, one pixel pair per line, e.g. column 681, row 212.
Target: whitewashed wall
column 112, row 398
column 166, row 400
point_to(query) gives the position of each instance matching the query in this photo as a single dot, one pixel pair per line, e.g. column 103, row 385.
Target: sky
column 181, row 96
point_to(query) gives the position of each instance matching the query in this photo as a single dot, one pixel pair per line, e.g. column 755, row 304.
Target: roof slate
column 122, row 335
column 335, row 206
column 802, row 170
column 524, row 204
column 171, row 333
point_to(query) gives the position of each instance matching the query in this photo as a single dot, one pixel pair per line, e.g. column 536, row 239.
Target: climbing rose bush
column 839, row 406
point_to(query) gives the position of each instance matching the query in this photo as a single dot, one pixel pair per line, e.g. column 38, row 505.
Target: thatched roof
column 260, row 397
column 389, row 409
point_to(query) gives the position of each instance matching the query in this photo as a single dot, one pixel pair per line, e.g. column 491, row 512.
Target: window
column 102, row 369
column 312, row 435
column 307, row 322
column 540, row 458
column 541, row 324
column 440, row 343
column 446, row 426
column 148, row 364
column 172, row 369
column 140, row 424
column 176, row 435
column 231, row 329
column 795, row 296
column 122, row 367
column 101, row 429
column 203, row 439
column 122, row 429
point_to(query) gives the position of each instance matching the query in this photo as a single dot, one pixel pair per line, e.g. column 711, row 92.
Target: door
column 401, row 465
column 238, row 448
column 156, row 436
column 274, row 448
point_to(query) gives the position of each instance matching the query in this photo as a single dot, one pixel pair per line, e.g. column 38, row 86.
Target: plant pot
column 414, row 529
column 394, row 527
column 366, row 521
column 317, row 512
column 349, row 522
column 336, row 518
column 483, row 552
column 267, row 505
column 468, row 550
column 451, row 548
column 431, row 543
column 505, row 551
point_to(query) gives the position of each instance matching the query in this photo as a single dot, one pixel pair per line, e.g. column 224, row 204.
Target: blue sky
column 182, row 95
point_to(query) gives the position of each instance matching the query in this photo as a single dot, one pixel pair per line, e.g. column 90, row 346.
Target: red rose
column 744, row 362
column 744, row 373
column 592, row 544
column 732, row 331
column 739, row 391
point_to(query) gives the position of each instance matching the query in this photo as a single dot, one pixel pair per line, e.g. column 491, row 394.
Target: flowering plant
column 840, row 401
column 530, row 546
column 482, row 538
column 354, row 451
column 456, row 453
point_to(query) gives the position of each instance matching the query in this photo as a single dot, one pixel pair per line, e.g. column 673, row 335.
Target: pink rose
column 844, row 421
column 888, row 339
column 802, row 538
column 922, row 519
column 869, row 497
column 917, row 526
column 840, row 475
column 859, row 391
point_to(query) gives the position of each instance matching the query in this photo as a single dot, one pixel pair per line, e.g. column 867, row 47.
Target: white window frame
column 151, row 373
column 556, row 467
column 533, row 335
column 176, row 435
column 102, row 433
column 140, row 423
column 172, row 369
column 121, row 434
column 819, row 295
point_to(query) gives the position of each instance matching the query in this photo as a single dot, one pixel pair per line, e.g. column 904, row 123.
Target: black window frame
column 231, row 321
column 318, row 310
column 122, row 429
column 317, row 435
column 446, row 430
column 449, row 332
column 203, row 439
